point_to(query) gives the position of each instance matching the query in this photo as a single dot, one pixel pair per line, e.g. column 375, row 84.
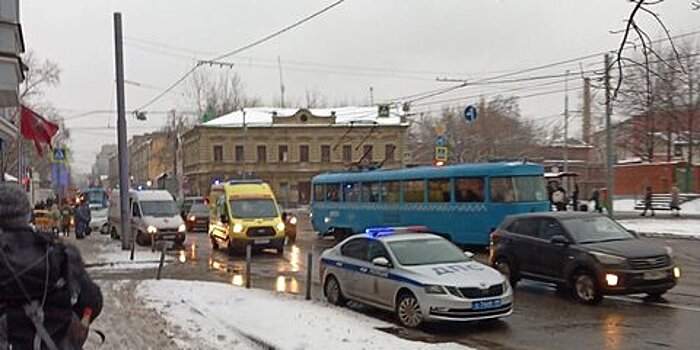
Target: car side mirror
column 633, row 233
column 225, row 219
column 559, row 240
column 469, row 254
column 381, row 261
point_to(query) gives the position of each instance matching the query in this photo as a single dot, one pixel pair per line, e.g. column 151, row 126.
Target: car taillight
column 495, row 236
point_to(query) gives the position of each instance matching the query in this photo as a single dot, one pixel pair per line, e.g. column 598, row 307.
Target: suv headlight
column 182, row 228
column 434, row 289
column 151, row 229
column 237, row 228
column 608, row 259
column 280, row 226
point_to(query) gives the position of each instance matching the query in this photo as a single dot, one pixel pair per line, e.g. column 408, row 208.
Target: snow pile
column 224, row 317
column 674, row 227
column 691, row 207
column 626, row 204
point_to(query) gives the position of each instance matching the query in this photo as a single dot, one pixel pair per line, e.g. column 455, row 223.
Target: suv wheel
column 507, row 270
column 408, row 310
column 333, row 292
column 585, row 288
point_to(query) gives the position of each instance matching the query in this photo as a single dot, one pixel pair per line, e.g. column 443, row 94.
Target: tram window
column 351, row 192
column 502, row 190
column 414, row 191
column 332, row 192
column 469, row 189
column 370, row 192
column 391, row 191
column 439, row 190
column 318, row 192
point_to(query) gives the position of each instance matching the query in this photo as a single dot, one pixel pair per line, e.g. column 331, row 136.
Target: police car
column 420, row 276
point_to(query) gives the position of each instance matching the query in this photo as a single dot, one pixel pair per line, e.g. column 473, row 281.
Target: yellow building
column 149, row 158
column 287, row 147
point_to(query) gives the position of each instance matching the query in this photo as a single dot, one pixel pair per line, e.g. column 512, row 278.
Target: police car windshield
column 426, row 252
column 253, row 208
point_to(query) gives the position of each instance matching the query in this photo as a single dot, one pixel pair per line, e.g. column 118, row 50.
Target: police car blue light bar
column 389, row 230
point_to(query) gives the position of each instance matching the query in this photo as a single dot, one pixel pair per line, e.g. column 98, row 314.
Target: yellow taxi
column 245, row 212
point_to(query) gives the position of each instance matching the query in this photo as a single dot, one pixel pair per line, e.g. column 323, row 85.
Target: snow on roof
column 262, row 116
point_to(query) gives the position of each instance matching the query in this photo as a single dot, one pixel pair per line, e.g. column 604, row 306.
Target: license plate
column 262, row 241
column 486, row 304
column 655, row 275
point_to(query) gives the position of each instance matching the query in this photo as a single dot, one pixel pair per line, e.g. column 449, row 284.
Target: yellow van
column 245, row 212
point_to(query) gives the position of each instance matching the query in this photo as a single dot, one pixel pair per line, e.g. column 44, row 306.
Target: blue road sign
column 441, row 140
column 470, row 114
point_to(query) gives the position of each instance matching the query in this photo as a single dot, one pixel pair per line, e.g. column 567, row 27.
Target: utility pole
column 608, row 141
column 586, row 110
column 371, row 96
column 245, row 144
column 566, row 123
column 279, row 65
column 691, row 114
column 123, row 156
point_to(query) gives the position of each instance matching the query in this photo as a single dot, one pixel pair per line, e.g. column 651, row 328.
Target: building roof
column 263, row 116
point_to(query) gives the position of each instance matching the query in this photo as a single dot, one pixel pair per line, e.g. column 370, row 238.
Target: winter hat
column 15, row 210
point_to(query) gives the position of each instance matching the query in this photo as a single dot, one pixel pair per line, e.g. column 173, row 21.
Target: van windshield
column 253, row 208
column 159, row 208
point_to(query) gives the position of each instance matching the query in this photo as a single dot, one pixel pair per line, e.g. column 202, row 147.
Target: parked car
column 99, row 221
column 197, row 218
column 589, row 254
column 419, row 276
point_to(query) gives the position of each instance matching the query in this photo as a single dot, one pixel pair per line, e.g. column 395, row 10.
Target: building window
column 347, row 153
column 367, row 153
column 325, row 154
column 240, row 154
column 218, row 153
column 262, row 154
column 304, row 153
column 283, row 154
column 389, row 153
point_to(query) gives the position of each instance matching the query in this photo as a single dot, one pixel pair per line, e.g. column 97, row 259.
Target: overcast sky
column 397, row 47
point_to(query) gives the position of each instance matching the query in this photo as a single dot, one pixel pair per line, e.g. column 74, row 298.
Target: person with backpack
column 47, row 299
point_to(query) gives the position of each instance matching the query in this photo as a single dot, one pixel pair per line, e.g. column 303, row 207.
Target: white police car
column 420, row 276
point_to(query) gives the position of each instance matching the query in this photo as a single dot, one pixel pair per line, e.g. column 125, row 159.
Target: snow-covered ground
column 672, row 227
column 224, row 316
column 100, row 252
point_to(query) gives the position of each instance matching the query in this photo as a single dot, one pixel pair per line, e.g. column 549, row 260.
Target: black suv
column 588, row 253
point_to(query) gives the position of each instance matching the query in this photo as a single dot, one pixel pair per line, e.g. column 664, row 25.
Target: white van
column 154, row 214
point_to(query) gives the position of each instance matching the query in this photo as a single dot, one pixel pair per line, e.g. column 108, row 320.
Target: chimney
column 586, row 130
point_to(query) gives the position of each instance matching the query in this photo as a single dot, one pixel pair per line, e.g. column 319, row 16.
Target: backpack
column 36, row 294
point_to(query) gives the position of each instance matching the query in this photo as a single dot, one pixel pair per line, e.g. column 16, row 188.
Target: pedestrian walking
column 574, row 197
column 47, row 299
column 82, row 220
column 559, row 198
column 55, row 214
column 648, row 196
column 675, row 204
column 595, row 197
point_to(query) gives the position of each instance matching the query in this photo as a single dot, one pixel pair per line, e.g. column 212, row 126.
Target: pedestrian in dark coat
column 595, row 197
column 82, row 220
column 648, row 196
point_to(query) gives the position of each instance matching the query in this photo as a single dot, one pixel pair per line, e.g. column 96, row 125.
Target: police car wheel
column 333, row 292
column 408, row 311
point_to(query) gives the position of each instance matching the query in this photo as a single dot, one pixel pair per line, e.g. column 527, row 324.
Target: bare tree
column 315, row 99
column 218, row 92
column 499, row 133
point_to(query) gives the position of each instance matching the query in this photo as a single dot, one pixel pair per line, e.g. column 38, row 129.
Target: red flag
column 35, row 127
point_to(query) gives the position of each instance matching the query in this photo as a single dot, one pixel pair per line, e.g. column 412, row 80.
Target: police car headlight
column 506, row 286
column 182, row 228
column 434, row 289
column 280, row 226
column 237, row 228
column 151, row 229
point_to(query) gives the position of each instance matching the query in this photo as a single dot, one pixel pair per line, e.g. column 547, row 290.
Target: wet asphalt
column 542, row 318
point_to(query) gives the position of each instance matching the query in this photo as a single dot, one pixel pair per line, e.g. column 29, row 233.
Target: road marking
column 670, row 306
